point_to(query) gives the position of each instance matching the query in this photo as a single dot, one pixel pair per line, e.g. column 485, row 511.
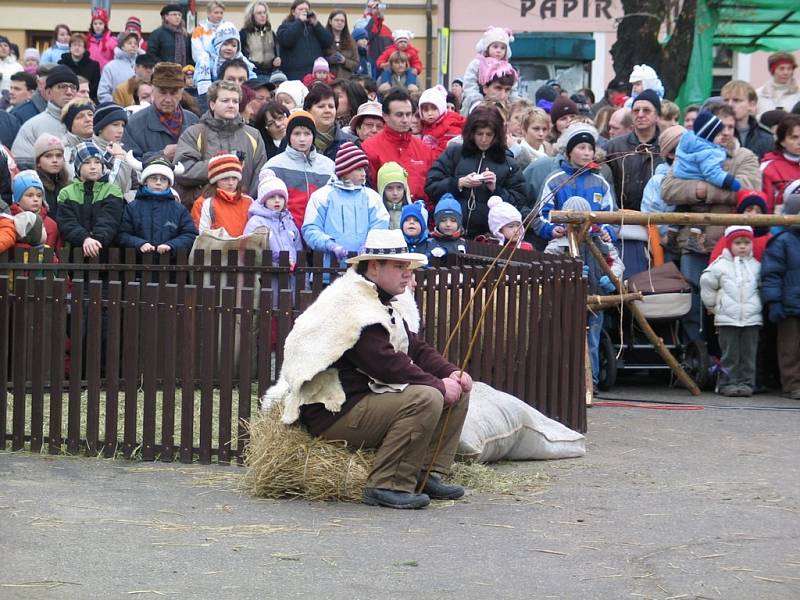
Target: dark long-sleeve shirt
column 374, row 354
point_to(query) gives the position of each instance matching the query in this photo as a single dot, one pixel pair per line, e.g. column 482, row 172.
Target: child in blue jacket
column 575, row 178
column 340, row 214
column 448, row 231
column 155, row 221
column 699, row 157
column 414, row 225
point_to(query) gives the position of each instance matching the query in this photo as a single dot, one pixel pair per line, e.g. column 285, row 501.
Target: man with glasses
column 639, row 151
column 156, row 129
column 61, row 87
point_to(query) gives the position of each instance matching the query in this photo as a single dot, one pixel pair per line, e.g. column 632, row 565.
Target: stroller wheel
column 608, row 363
column 697, row 364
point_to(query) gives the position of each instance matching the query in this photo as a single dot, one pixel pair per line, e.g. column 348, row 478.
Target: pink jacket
column 102, row 50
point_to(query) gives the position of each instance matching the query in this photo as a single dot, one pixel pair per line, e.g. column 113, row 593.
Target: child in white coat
column 729, row 289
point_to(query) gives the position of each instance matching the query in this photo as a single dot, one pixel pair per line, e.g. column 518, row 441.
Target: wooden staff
column 656, row 341
column 596, row 302
column 640, row 218
column 574, row 235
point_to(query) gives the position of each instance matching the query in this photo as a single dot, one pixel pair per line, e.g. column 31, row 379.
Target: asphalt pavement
column 698, row 498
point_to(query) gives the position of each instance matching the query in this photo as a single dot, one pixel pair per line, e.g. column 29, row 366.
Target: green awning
column 752, row 25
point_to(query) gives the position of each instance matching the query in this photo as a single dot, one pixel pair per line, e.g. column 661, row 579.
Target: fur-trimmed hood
column 320, row 336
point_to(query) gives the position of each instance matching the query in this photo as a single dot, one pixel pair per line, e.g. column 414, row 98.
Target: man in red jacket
column 395, row 143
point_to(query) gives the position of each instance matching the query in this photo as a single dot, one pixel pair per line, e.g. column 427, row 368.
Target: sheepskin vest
column 321, row 335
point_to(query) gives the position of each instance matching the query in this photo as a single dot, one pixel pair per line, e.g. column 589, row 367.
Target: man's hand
column 559, row 231
column 464, row 380
column 452, row 391
column 91, row 247
column 146, row 248
column 163, row 248
column 700, row 190
column 169, row 151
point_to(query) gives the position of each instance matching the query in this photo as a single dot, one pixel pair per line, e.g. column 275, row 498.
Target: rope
column 527, row 221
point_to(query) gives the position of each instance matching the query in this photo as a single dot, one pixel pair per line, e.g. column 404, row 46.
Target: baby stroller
column 625, row 348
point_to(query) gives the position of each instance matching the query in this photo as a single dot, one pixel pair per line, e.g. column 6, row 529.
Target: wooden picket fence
column 166, row 359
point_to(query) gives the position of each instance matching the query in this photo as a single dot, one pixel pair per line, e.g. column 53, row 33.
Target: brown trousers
column 789, row 353
column 404, row 427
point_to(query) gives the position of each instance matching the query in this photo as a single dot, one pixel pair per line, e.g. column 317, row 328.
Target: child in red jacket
column 28, row 196
column 320, row 72
column 439, row 125
column 402, row 43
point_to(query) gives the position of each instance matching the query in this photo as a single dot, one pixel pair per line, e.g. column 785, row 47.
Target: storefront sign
column 552, row 9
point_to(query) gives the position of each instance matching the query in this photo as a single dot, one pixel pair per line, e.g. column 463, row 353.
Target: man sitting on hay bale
column 353, row 371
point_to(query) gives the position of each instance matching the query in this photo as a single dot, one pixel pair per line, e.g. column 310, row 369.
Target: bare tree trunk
column 637, row 41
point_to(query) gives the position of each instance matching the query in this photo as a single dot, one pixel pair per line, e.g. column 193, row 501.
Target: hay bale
column 286, row 461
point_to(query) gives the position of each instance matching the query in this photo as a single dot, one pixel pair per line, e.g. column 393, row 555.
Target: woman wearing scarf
column 170, row 42
column 321, row 102
column 258, row 41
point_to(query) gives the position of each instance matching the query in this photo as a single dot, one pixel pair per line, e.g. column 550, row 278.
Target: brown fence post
column 75, row 367
column 168, row 332
column 188, row 352
column 150, row 356
column 39, row 316
column 5, row 345
column 208, row 333
column 245, row 370
column 227, row 339
column 19, row 354
column 94, row 346
column 130, row 366
column 112, row 362
column 57, row 363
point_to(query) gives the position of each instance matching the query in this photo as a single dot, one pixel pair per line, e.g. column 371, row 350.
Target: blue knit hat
column 359, row 33
column 416, row 211
column 448, row 206
column 84, row 152
column 707, row 125
column 23, row 181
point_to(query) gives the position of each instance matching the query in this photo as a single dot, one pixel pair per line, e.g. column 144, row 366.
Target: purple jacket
column 283, row 234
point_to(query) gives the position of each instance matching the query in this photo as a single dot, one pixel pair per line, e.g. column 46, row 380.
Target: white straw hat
column 388, row 244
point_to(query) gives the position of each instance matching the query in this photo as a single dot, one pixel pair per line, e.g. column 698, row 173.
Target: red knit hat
column 737, row 231
column 780, row 58
column 224, row 165
column 349, row 158
column 134, row 23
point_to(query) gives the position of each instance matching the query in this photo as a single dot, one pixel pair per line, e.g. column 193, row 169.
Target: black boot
column 436, row 489
column 395, row 499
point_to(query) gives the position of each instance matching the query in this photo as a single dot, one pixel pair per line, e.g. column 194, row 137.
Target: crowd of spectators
column 320, row 132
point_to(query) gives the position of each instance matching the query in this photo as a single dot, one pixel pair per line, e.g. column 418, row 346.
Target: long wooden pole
column 656, row 341
column 639, row 218
column 596, row 302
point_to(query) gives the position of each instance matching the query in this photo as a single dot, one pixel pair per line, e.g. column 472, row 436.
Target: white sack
column 501, row 427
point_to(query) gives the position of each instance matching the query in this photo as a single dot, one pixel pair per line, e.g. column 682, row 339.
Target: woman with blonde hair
column 257, row 39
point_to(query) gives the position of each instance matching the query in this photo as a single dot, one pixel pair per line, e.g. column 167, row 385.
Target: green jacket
column 89, row 209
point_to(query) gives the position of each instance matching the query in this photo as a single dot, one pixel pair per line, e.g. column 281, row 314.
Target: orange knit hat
column 224, row 165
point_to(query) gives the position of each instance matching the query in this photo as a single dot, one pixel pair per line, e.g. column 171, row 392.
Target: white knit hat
column 576, row 203
column 269, row 184
column 402, row 34
column 492, row 35
column 643, row 73
column 158, row 166
column 437, row 96
column 501, row 214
